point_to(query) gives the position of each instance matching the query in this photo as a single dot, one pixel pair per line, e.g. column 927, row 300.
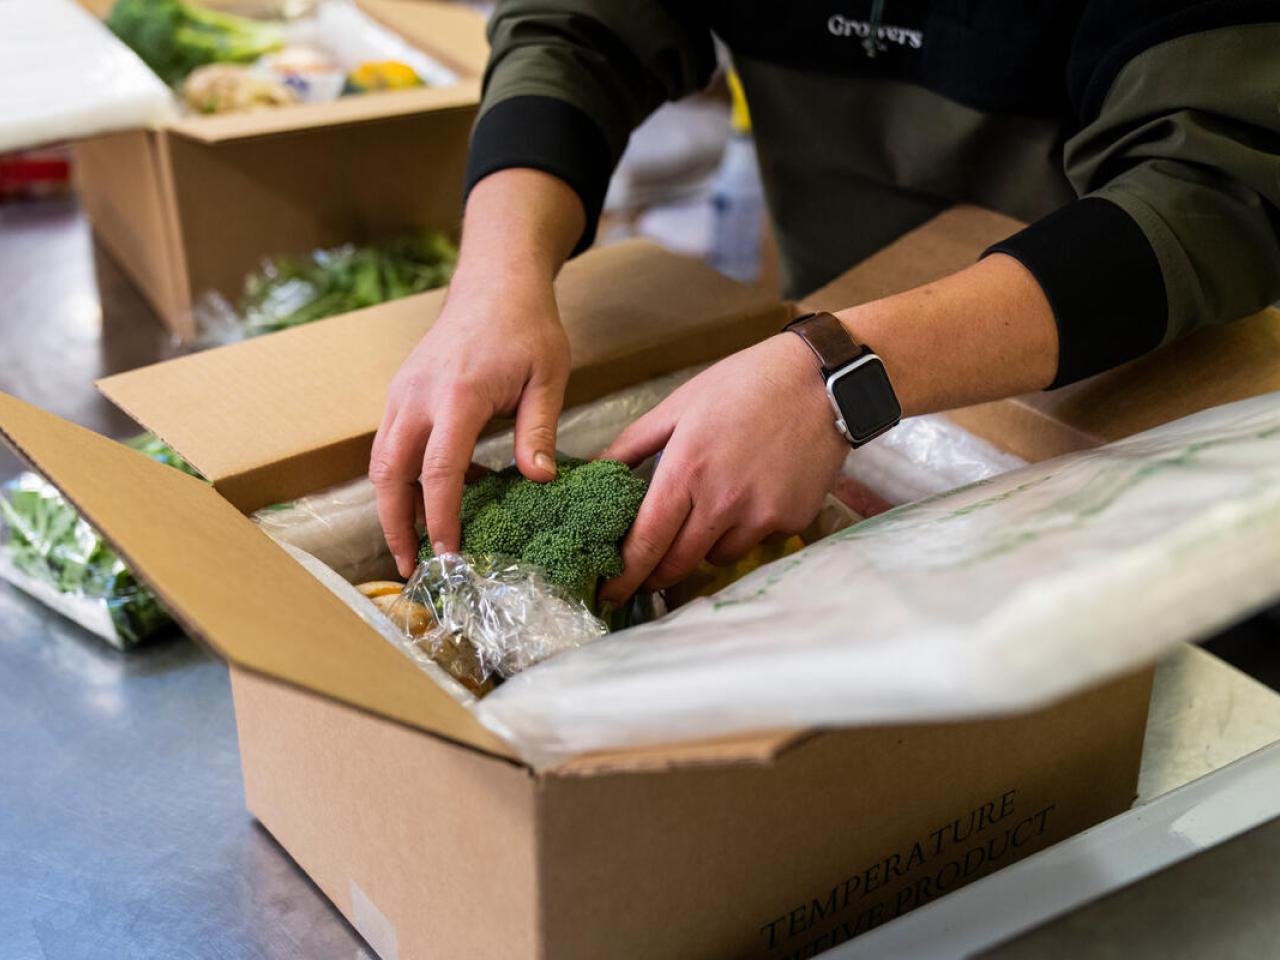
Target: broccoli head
column 173, row 37
column 570, row 528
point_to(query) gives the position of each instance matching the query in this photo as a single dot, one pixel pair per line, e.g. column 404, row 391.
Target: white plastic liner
column 926, row 455
column 1000, row 596
column 64, row 75
column 352, row 37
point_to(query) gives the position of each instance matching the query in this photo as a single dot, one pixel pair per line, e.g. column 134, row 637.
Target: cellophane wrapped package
column 52, row 553
column 48, row 550
column 290, row 291
column 485, row 619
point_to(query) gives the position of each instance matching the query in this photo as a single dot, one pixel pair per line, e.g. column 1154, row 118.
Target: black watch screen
column 865, row 399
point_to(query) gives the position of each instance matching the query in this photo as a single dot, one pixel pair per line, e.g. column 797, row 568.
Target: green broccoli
column 570, row 528
column 173, row 37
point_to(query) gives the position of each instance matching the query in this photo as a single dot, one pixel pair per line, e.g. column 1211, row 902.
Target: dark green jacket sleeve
column 1177, row 162
column 568, row 80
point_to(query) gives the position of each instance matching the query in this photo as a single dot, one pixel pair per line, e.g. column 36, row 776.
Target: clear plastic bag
column 291, row 291
column 339, row 526
column 376, row 619
column 48, row 550
column 480, row 620
column 924, row 456
column 353, row 37
column 51, row 552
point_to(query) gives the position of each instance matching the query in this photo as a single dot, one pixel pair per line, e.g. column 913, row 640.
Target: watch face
column 865, row 398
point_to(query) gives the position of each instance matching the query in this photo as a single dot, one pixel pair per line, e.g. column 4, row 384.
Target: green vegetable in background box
column 570, row 528
column 291, row 291
column 174, row 37
column 48, row 541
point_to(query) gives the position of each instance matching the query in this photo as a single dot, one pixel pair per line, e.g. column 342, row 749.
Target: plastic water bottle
column 737, row 199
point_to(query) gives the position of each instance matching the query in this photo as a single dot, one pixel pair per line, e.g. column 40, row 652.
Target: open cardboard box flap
column 227, row 582
column 229, row 585
column 271, row 419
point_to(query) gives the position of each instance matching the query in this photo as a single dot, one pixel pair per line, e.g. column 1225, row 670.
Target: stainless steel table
column 123, row 832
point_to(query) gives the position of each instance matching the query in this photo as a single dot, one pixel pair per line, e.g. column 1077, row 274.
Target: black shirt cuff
column 1102, row 280
column 548, row 135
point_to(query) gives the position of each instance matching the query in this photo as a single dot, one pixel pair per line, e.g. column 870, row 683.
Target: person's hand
column 749, row 448
column 496, row 348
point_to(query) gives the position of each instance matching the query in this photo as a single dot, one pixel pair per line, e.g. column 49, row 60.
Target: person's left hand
column 749, row 447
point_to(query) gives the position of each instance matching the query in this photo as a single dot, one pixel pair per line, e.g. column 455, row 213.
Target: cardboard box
column 426, row 829
column 197, row 205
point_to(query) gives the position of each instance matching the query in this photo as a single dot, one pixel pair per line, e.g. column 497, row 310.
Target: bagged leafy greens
column 52, row 552
column 290, row 291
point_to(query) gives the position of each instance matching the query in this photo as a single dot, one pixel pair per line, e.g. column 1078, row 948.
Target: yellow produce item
column 382, row 75
column 380, row 588
column 410, row 617
column 707, row 579
column 455, row 654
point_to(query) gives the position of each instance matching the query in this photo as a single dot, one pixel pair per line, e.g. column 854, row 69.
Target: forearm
column 520, row 226
column 984, row 333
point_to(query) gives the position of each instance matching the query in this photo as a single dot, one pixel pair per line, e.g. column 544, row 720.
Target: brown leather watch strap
column 833, row 345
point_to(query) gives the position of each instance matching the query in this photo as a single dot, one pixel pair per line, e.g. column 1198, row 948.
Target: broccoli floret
column 173, row 37
column 570, row 528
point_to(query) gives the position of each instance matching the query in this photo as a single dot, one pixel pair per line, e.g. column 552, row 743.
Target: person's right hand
column 497, row 348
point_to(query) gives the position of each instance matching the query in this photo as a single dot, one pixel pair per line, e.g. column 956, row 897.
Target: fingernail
column 544, row 462
column 438, row 547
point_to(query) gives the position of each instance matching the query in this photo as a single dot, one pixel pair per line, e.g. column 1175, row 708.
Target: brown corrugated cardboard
column 765, row 846
column 461, row 855
column 194, row 207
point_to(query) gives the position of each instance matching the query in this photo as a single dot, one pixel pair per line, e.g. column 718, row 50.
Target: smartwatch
column 857, row 384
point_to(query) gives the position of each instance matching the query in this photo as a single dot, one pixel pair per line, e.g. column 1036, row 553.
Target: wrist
column 506, row 276
column 982, row 334
column 872, row 325
column 800, row 378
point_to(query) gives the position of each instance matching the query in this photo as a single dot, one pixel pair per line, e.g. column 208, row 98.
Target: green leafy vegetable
column 570, row 528
column 291, row 291
column 50, row 542
column 173, row 37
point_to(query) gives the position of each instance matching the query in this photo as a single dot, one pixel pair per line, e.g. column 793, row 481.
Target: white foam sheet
column 1002, row 595
column 63, row 75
